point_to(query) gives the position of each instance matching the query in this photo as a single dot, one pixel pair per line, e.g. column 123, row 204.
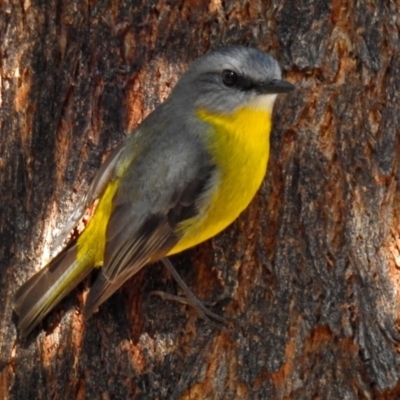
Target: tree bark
column 309, row 274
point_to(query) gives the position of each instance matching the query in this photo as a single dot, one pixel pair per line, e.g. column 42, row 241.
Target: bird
column 181, row 177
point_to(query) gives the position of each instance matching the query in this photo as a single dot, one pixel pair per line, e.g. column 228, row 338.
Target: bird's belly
column 240, row 148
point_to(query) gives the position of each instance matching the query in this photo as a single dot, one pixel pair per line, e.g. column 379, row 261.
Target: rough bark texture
column 309, row 274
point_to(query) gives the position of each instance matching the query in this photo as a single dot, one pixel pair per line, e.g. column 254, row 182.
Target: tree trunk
column 309, row 274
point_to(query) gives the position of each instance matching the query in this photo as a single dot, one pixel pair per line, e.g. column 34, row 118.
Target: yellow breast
column 239, row 145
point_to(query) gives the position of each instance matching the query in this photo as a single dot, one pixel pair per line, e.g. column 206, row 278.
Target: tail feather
column 44, row 290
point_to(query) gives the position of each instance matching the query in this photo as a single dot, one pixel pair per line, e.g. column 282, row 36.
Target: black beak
column 274, row 87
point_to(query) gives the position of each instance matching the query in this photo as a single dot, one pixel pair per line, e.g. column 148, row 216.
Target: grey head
column 229, row 78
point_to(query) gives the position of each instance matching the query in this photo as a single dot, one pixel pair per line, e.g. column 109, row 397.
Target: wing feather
column 135, row 240
column 96, row 189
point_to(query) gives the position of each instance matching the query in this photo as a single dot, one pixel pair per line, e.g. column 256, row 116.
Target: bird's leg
column 190, row 299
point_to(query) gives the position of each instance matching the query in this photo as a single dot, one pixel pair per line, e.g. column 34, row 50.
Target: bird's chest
column 239, row 145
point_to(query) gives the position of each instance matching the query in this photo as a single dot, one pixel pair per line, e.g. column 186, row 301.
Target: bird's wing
column 105, row 173
column 151, row 201
column 128, row 149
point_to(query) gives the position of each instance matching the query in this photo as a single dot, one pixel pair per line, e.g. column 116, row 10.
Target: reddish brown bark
column 309, row 273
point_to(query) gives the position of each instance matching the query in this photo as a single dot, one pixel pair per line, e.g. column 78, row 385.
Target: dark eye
column 229, row 77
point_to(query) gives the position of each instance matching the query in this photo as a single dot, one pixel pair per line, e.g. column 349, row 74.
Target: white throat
column 263, row 102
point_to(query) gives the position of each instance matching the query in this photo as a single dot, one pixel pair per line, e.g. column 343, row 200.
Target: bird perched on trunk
column 181, row 177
